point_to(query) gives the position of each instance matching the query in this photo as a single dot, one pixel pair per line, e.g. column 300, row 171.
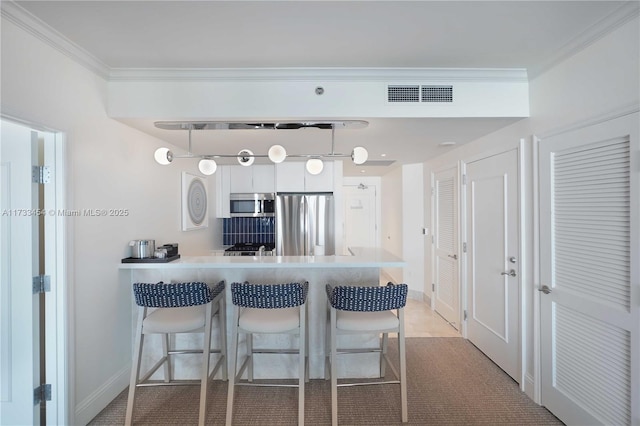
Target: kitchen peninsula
column 363, row 266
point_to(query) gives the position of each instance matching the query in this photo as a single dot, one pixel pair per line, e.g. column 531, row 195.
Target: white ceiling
column 359, row 34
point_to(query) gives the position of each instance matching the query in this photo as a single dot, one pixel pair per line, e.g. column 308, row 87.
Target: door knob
column 512, row 259
column 453, row 256
column 511, row 273
column 545, row 289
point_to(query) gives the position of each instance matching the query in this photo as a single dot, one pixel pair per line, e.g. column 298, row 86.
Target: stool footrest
column 172, row 383
column 388, row 382
column 267, row 385
column 275, row 351
column 191, row 351
column 358, row 351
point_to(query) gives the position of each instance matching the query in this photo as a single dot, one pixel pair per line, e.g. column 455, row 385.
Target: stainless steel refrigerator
column 305, row 224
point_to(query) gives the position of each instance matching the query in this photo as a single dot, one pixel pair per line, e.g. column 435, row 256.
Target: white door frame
column 523, row 278
column 457, row 167
column 57, row 344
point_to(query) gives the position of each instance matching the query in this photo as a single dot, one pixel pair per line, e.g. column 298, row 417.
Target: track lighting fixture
column 277, row 153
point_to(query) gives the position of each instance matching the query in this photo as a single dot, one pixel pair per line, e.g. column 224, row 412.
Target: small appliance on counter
column 251, row 249
column 145, row 251
column 142, row 249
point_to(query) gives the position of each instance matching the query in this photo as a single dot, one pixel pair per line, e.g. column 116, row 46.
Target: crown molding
column 624, row 110
column 388, row 75
column 43, row 32
column 607, row 25
column 33, row 25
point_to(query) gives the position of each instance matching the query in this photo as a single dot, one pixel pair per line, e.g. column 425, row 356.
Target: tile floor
column 421, row 321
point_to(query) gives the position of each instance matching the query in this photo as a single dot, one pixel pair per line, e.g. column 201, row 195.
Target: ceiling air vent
column 437, row 94
column 403, row 93
column 379, row 163
column 419, row 93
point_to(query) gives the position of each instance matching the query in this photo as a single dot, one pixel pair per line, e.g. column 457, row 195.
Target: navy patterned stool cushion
column 175, row 295
column 269, row 296
column 367, row 299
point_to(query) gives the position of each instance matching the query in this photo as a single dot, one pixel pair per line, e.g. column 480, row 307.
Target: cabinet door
column 222, row 192
column 264, row 179
column 241, row 179
column 322, row 182
column 290, row 176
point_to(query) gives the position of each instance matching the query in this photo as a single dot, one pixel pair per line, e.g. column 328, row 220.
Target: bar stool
column 180, row 308
column 268, row 309
column 363, row 310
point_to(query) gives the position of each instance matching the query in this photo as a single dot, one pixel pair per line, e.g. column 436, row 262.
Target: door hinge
column 433, row 287
column 40, row 174
column 433, row 239
column 464, row 247
column 464, row 179
column 41, row 284
column 42, row 393
column 465, row 314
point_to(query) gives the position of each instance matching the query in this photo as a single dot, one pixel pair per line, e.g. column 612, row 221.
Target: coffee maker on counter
column 146, row 251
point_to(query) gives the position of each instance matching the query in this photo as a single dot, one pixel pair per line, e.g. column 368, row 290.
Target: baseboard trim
column 415, row 295
column 529, row 387
column 88, row 408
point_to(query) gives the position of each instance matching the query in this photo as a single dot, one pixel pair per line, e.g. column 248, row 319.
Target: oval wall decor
column 194, row 202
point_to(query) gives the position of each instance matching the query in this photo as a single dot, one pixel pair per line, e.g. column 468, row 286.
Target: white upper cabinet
column 233, row 179
column 322, row 182
column 264, row 178
column 292, row 176
column 241, row 179
column 223, row 188
column 256, row 178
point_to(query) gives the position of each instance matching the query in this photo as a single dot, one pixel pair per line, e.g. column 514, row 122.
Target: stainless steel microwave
column 252, row 205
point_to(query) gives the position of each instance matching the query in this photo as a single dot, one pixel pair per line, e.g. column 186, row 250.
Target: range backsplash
column 248, row 230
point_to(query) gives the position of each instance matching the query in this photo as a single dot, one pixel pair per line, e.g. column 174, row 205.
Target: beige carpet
column 450, row 382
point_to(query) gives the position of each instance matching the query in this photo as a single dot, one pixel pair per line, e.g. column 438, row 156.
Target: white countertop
column 361, row 258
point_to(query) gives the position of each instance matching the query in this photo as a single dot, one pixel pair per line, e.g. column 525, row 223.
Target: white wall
column 597, row 82
column 412, row 224
column 110, row 166
column 371, row 182
column 391, row 219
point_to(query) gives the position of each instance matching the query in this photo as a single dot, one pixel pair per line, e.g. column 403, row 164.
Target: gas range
column 250, row 249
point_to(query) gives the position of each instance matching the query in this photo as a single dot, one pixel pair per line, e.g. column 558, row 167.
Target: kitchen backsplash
column 248, row 230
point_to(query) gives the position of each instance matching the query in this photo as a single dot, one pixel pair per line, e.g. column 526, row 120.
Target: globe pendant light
column 277, row 154
column 315, row 166
column 207, row 166
column 246, row 158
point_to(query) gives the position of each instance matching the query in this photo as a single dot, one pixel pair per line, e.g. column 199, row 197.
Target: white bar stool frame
column 249, row 299
column 177, row 312
column 375, row 305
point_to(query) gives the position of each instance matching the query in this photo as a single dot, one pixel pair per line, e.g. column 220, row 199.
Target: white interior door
column 360, row 219
column 19, row 307
column 493, row 253
column 589, row 262
column 446, row 277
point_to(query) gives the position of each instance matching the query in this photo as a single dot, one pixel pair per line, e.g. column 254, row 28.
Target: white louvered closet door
column 446, row 292
column 589, row 238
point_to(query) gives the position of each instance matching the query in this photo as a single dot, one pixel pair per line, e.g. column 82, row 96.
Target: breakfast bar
column 362, row 267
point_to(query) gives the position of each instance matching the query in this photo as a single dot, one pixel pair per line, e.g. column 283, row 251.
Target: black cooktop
column 251, row 247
